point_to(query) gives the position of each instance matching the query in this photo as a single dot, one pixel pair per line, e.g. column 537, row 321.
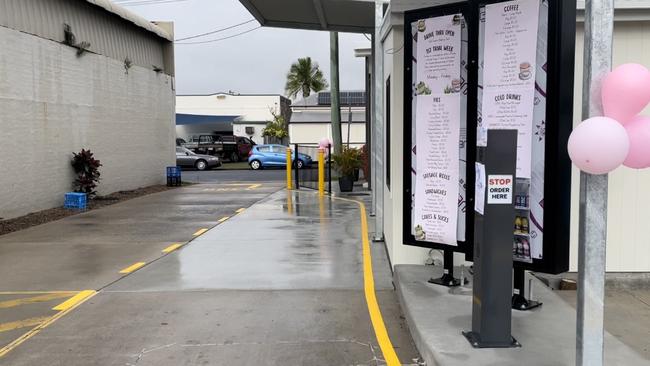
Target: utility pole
column 335, row 92
column 592, row 240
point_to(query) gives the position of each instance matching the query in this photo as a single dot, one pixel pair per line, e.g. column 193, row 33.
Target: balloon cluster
column 599, row 145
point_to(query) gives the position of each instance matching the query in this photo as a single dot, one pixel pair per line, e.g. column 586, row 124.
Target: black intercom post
column 491, row 306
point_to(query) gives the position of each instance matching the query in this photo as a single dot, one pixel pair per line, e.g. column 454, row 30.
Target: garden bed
column 52, row 214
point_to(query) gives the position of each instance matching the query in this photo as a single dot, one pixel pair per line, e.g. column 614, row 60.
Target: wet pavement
column 280, row 283
column 45, row 265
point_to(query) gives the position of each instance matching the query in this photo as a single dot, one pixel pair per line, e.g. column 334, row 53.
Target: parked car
column 180, row 142
column 188, row 159
column 233, row 148
column 262, row 156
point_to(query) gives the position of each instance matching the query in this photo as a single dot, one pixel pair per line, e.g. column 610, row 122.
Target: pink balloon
column 626, row 92
column 638, row 131
column 598, row 145
column 324, row 143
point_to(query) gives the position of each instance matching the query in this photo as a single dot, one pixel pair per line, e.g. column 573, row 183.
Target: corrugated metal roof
column 132, row 17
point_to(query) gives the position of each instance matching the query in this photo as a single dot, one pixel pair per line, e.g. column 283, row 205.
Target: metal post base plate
column 475, row 340
column 522, row 304
column 446, row 280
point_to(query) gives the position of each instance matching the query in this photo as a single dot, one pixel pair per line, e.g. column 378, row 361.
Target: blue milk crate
column 75, row 200
column 173, row 171
column 173, row 176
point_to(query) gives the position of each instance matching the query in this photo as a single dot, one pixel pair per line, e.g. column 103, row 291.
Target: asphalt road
column 224, row 176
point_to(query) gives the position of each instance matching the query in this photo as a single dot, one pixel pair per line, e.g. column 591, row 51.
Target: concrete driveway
column 279, row 283
column 45, row 265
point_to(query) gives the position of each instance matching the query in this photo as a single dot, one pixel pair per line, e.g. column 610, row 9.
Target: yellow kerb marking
column 240, row 210
column 254, row 186
column 133, row 267
column 369, row 288
column 8, row 348
column 171, row 248
column 224, row 218
column 34, row 299
column 5, row 327
column 200, row 232
column 73, row 301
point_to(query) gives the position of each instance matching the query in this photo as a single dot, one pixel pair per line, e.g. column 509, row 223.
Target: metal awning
column 355, row 16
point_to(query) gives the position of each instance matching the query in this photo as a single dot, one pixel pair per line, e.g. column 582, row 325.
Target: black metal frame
column 328, row 166
column 559, row 107
column 471, row 19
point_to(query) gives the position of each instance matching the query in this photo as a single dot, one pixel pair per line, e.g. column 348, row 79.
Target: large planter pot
column 346, row 183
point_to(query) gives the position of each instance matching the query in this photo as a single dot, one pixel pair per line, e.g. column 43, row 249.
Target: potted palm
column 346, row 163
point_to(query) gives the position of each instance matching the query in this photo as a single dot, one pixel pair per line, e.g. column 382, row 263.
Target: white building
column 311, row 119
column 110, row 91
column 239, row 114
column 628, row 246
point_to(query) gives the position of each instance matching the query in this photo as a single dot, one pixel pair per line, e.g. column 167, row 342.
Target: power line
column 221, row 39
column 215, row 31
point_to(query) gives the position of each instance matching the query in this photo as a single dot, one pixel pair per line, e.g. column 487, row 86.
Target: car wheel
column 256, row 165
column 201, row 165
column 299, row 164
column 234, row 157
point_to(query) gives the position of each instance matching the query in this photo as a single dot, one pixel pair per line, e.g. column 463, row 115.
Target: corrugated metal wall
column 108, row 34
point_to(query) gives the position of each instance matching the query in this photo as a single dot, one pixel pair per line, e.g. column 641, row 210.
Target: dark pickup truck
column 233, row 148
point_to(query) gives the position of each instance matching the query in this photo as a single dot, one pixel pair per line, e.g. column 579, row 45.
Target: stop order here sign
column 499, row 189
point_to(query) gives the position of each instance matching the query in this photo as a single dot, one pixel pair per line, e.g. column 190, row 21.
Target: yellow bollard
column 321, row 172
column 289, row 163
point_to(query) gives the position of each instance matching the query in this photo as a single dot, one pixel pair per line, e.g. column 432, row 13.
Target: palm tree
column 304, row 76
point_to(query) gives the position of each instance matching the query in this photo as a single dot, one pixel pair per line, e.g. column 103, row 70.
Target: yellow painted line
column 224, row 218
column 200, row 232
column 377, row 320
column 81, row 296
column 34, row 299
column 133, row 267
column 8, row 348
column 36, row 292
column 254, row 186
column 240, row 210
column 5, row 327
column 171, row 248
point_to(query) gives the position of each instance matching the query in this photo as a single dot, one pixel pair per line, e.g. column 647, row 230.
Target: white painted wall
column 53, row 103
column 256, row 108
column 393, row 197
column 239, row 129
column 312, row 133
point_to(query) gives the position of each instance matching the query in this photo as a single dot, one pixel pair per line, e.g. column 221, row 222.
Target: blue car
column 264, row 156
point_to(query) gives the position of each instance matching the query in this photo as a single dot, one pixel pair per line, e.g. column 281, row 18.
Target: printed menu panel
column 436, row 193
column 509, row 54
column 438, row 50
column 437, row 88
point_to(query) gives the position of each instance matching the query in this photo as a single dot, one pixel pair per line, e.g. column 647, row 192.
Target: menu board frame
column 465, row 9
column 559, row 123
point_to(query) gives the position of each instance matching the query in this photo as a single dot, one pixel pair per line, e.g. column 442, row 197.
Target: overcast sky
column 256, row 62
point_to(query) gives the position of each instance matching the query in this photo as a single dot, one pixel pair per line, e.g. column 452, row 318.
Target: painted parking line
column 41, row 323
column 224, row 218
column 133, row 267
column 172, row 247
column 34, row 299
column 81, row 296
column 240, row 210
column 233, row 187
column 200, row 232
column 31, row 322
